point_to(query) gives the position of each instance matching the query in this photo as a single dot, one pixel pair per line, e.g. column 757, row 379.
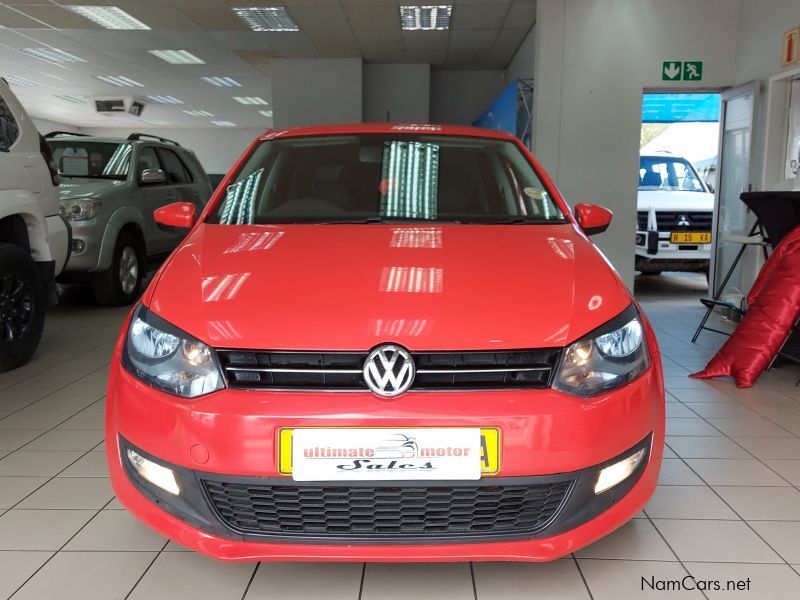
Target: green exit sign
column 682, row 70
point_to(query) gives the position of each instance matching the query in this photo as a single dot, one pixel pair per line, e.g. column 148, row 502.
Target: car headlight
column 607, row 358
column 166, row 358
column 81, row 209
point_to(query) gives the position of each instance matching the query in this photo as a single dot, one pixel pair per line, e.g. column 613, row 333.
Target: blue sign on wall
column 502, row 113
column 674, row 108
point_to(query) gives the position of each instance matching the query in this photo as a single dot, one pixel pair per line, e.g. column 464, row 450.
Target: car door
column 154, row 195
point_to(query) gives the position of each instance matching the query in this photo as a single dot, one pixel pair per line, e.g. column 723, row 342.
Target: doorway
column 677, row 178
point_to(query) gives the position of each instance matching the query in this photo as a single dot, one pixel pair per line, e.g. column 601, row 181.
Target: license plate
column 379, row 454
column 690, row 237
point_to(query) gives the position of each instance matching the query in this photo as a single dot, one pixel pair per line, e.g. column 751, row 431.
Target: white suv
column 674, row 215
column 34, row 239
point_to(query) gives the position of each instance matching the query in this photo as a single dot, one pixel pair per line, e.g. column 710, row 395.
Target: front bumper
column 232, row 436
column 656, row 246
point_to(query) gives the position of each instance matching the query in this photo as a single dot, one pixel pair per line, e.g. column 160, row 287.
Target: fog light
column 617, row 473
column 640, row 239
column 154, row 473
column 78, row 246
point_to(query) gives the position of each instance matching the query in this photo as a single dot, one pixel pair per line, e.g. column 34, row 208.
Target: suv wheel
column 22, row 307
column 123, row 282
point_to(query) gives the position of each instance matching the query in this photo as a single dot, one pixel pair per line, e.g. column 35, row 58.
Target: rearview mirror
column 176, row 217
column 153, row 177
column 592, row 218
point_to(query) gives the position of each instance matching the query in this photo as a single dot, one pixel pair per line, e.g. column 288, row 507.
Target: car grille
column 343, row 371
column 386, row 511
column 669, row 221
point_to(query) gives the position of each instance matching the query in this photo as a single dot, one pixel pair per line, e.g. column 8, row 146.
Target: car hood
column 73, row 187
column 351, row 287
column 675, row 200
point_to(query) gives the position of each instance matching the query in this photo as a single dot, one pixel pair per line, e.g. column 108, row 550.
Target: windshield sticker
column 75, row 162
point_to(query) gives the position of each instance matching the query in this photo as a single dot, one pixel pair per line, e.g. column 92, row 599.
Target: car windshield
column 667, row 173
column 92, row 160
column 375, row 178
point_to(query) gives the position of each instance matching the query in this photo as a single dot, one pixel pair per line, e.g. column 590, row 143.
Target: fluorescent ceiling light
column 223, row 123
column 118, row 80
column 110, row 17
column 266, row 113
column 177, row 57
column 198, row 113
column 52, row 55
column 166, row 99
column 425, row 18
column 20, row 81
column 274, row 18
column 222, row 81
column 71, row 98
column 252, row 100
column 156, row 122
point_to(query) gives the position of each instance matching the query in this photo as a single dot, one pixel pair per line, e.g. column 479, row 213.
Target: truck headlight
column 607, row 358
column 81, row 209
column 166, row 358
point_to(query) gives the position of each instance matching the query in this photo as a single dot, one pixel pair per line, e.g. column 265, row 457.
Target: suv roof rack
column 137, row 136
column 67, row 133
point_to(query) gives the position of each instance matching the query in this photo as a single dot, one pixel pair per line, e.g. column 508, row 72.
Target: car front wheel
column 22, row 307
column 122, row 283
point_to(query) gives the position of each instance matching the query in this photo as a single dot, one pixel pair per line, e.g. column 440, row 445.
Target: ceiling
column 484, row 34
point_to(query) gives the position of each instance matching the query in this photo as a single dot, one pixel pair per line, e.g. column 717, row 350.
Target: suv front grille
column 386, row 512
column 342, row 371
column 669, row 221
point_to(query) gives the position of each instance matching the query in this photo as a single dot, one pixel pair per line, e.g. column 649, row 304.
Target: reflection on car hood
column 675, row 200
column 73, row 187
column 351, row 287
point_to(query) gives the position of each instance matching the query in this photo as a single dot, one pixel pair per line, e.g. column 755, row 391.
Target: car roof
column 111, row 140
column 412, row 128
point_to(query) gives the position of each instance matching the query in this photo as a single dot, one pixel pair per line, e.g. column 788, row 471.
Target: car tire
column 22, row 307
column 122, row 283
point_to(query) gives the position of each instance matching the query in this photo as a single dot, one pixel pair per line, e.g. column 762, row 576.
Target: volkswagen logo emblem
column 389, row 370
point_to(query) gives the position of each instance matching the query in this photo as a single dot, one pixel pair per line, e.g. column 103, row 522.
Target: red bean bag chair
column 774, row 305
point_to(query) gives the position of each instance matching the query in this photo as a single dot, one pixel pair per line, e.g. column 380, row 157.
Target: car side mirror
column 153, row 177
column 592, row 218
column 176, row 217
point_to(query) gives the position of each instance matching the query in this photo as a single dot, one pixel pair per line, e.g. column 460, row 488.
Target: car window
column 93, row 160
column 373, row 177
column 666, row 173
column 173, row 166
column 147, row 160
column 9, row 130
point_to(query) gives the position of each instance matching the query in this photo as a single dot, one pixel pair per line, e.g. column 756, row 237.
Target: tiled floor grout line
column 472, row 578
column 59, row 364
column 671, row 549
column 361, row 585
column 583, row 577
column 146, row 569
column 252, row 578
column 82, row 527
column 749, row 526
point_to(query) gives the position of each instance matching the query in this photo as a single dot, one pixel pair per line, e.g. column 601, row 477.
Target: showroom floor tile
column 727, row 507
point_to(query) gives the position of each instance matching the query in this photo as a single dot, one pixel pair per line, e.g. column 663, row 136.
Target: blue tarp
column 502, row 113
column 676, row 108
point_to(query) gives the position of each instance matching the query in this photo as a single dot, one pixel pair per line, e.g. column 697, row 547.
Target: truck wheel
column 122, row 283
column 22, row 307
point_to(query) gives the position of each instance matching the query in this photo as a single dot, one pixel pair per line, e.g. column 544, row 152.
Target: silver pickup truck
column 109, row 190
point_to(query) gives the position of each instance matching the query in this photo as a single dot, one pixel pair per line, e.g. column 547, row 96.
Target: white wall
column 401, row 91
column 523, row 65
column 459, row 97
column 588, row 92
column 307, row 91
column 217, row 149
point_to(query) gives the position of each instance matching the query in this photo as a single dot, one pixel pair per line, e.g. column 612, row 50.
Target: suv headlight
column 81, row 209
column 166, row 358
column 608, row 357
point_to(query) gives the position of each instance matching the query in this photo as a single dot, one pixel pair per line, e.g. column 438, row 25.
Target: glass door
column 733, row 177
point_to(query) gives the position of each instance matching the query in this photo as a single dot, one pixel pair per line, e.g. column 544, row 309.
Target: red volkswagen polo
column 385, row 342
